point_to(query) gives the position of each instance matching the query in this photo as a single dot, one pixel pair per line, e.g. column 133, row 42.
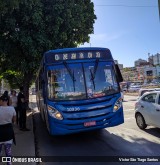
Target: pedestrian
column 7, row 117
column 22, row 108
column 9, row 102
column 127, row 86
column 13, row 98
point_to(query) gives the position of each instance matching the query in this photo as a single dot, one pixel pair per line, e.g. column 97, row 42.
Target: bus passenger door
column 40, row 94
column 44, row 102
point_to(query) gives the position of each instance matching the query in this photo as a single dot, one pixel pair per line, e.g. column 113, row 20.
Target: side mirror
column 119, row 75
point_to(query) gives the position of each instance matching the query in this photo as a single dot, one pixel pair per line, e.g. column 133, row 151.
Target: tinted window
column 150, row 98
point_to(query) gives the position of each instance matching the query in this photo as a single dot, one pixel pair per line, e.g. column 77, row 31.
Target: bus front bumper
column 60, row 128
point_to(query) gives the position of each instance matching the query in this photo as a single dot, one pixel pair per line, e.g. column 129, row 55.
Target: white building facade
column 151, row 74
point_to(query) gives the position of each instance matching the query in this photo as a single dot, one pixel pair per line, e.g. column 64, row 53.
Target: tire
column 140, row 121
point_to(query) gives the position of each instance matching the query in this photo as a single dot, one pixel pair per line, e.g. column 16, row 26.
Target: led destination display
column 53, row 57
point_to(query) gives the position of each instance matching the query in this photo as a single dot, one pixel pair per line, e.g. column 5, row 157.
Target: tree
column 31, row 27
column 13, row 78
column 8, row 5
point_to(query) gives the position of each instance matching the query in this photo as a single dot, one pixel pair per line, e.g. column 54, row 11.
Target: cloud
column 106, row 37
column 103, row 38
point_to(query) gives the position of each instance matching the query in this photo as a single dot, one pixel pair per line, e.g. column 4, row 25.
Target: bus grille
column 100, row 112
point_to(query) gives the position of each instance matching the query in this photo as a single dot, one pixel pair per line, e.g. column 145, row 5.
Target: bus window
column 66, row 82
column 100, row 81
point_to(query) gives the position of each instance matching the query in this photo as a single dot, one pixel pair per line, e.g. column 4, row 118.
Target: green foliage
column 8, row 5
column 15, row 79
column 28, row 28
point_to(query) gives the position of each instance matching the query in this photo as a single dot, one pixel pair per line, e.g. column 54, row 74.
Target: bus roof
column 76, row 49
column 77, row 54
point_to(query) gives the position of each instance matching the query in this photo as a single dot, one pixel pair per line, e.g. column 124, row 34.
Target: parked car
column 124, row 89
column 144, row 90
column 147, row 110
column 134, row 88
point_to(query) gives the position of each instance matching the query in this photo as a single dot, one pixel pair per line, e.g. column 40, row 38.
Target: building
column 151, row 74
column 154, row 59
column 140, row 62
column 144, row 71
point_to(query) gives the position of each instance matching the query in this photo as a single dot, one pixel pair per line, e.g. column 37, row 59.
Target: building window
column 149, row 73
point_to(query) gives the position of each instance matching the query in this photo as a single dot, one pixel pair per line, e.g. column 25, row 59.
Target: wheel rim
column 139, row 121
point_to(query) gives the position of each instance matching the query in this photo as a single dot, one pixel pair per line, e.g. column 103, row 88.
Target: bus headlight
column 117, row 105
column 54, row 113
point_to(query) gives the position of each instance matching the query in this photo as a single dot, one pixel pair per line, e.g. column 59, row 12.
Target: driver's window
column 150, row 98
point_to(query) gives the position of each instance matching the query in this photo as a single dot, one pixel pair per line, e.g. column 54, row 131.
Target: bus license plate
column 91, row 123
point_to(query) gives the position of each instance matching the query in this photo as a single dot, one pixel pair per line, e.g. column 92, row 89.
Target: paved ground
column 123, row 140
column 25, row 145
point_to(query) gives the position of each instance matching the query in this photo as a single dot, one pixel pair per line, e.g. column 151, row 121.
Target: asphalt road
column 99, row 146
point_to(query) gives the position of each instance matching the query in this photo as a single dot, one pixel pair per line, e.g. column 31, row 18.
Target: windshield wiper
column 93, row 74
column 92, row 78
column 70, row 73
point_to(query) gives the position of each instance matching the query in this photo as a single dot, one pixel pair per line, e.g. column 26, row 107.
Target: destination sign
column 53, row 57
column 74, row 56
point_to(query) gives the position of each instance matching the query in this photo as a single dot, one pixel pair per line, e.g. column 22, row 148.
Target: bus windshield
column 81, row 81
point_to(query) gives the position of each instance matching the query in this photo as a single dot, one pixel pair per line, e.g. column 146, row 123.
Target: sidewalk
column 25, row 145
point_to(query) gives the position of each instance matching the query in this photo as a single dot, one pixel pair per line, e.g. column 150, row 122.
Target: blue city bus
column 77, row 90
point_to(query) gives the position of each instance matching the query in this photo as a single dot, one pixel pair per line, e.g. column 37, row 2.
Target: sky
column 129, row 28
